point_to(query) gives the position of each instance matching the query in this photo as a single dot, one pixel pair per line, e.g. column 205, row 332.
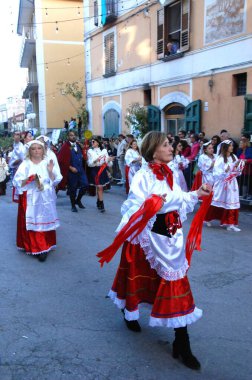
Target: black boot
column 42, row 257
column 132, row 325
column 181, row 347
column 72, row 199
column 78, row 200
column 101, row 208
column 98, row 204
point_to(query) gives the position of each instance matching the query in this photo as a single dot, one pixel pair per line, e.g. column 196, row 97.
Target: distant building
column 189, row 62
column 53, row 52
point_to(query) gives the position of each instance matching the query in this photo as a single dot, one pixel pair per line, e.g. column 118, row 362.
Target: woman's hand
column 204, row 190
column 73, row 169
column 111, row 158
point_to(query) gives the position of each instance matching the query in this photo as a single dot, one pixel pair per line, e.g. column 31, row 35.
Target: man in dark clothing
column 71, row 165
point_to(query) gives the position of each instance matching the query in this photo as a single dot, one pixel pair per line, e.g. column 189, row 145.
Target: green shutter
column 193, row 116
column 111, row 123
column 248, row 113
column 154, row 118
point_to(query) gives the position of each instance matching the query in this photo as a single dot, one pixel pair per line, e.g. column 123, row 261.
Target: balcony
column 109, row 11
column 28, row 46
column 31, row 89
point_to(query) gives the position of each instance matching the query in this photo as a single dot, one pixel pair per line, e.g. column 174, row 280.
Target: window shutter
column 248, row 113
column 160, row 33
column 193, row 116
column 185, row 25
column 96, row 21
column 109, row 54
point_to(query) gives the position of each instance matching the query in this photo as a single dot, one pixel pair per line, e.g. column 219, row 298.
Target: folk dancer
column 153, row 267
column 37, row 220
column 133, row 161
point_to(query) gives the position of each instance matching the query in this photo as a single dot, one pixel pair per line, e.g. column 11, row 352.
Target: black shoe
column 74, row 209
column 79, row 203
column 133, row 325
column 101, row 208
column 98, row 204
column 181, row 348
column 42, row 257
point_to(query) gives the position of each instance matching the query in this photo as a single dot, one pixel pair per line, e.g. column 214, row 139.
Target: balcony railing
column 109, row 11
column 27, row 46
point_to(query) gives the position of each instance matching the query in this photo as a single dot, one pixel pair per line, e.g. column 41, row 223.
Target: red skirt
column 197, row 182
column 136, row 283
column 226, row 217
column 32, row 242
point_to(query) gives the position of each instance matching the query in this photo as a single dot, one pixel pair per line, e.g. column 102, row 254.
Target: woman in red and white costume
column 226, row 203
column 98, row 160
column 37, row 221
column 153, row 267
column 206, row 163
column 133, row 161
column 178, row 164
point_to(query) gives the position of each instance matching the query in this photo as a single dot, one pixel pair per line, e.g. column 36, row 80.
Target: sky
column 12, row 77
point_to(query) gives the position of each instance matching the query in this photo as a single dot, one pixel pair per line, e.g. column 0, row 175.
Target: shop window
column 239, row 84
column 173, row 23
column 109, row 54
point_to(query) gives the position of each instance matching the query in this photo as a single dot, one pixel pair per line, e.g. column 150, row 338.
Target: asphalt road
column 57, row 324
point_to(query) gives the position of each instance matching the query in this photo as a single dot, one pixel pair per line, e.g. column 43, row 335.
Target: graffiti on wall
column 223, row 18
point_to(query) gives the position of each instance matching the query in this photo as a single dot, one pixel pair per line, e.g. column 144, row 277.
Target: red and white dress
column 131, row 167
column 225, row 203
column 37, row 215
column 153, row 267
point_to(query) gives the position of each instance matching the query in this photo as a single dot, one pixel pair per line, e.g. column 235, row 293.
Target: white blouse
column 96, row 153
column 166, row 255
column 132, row 155
column 41, row 212
column 205, row 165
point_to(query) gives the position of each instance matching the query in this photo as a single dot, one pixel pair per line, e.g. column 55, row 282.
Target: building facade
column 188, row 61
column 53, row 52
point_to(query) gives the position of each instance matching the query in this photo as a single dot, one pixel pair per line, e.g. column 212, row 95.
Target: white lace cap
column 30, row 143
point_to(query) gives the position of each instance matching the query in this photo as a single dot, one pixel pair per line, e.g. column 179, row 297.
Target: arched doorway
column 111, row 123
column 174, row 118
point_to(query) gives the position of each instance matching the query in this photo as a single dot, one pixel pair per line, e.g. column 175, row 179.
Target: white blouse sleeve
column 21, row 174
column 90, row 158
column 219, row 169
column 129, row 157
column 204, row 163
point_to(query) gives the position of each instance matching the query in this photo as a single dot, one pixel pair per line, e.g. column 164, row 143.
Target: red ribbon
column 31, row 179
column 97, row 177
column 162, row 171
column 134, row 227
column 194, row 236
column 173, row 222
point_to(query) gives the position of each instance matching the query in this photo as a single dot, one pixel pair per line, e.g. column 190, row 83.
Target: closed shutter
column 248, row 113
column 193, row 116
column 160, row 33
column 185, row 25
column 111, row 123
column 109, row 47
column 154, row 118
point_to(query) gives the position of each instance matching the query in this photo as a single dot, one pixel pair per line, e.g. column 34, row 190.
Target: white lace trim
column 40, row 252
column 166, row 273
column 119, row 303
column 176, row 322
column 181, row 321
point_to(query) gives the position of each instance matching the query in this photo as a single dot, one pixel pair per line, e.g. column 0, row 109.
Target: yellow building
column 53, row 51
column 190, row 62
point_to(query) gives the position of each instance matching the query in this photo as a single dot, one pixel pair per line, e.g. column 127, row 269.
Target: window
column 109, row 11
column 109, row 54
column 96, row 20
column 239, row 84
column 173, row 28
column 147, row 97
column 174, row 115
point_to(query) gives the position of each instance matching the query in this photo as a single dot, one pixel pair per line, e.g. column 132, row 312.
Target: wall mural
column 223, row 18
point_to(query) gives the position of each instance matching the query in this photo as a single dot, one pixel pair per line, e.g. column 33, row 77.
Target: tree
column 77, row 92
column 137, row 119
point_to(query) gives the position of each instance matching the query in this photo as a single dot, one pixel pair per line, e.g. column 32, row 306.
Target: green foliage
column 6, row 142
column 77, row 92
column 137, row 119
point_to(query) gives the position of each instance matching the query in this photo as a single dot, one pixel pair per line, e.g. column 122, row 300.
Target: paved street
column 57, row 324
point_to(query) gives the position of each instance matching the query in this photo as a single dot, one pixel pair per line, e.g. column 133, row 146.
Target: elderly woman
column 37, row 221
column 153, row 267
